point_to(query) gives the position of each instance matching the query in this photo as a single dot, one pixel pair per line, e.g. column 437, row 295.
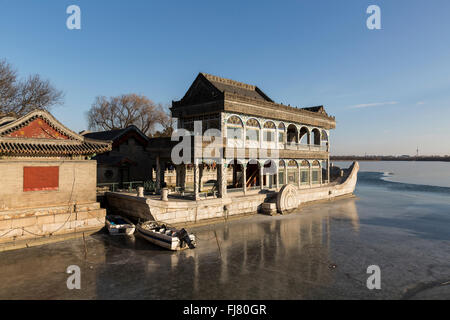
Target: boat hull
column 162, row 240
column 127, row 228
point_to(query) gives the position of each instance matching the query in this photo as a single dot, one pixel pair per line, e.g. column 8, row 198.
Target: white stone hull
column 181, row 212
column 329, row 192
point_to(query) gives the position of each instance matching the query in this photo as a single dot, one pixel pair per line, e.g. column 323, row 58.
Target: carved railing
column 129, row 186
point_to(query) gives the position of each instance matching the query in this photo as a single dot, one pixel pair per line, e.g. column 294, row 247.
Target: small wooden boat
column 166, row 237
column 118, row 225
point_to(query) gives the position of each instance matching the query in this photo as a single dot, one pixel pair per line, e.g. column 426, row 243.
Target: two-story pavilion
column 266, row 157
column 265, row 144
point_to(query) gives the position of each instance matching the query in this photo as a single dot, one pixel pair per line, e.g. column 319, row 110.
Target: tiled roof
column 112, row 135
column 212, row 94
column 109, row 135
column 232, row 86
column 24, row 147
column 18, row 138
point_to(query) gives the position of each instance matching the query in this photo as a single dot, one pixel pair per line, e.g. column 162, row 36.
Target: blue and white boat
column 118, row 225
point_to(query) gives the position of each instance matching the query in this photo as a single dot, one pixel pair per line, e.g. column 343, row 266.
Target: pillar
column 261, row 136
column 183, row 178
column 244, row 135
column 278, row 175
column 222, row 180
column 310, row 175
column 177, row 176
column 196, row 180
column 299, row 176
column 320, row 176
column 158, row 175
column 234, row 173
column 244, row 178
column 276, row 139
column 328, row 169
column 200, row 182
column 261, row 176
column 163, row 176
column 285, row 174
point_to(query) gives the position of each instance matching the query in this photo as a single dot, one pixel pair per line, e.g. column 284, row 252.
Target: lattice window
column 253, row 123
column 292, row 163
column 269, row 125
column 234, row 120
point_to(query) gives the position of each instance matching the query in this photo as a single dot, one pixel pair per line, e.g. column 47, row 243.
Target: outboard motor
column 184, row 237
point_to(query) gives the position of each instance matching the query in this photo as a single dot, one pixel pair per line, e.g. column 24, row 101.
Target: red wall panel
column 40, row 178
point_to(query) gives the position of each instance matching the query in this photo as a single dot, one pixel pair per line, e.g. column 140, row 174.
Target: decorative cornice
column 277, row 112
column 231, row 97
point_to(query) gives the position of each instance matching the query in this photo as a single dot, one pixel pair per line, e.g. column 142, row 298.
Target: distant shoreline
column 390, row 158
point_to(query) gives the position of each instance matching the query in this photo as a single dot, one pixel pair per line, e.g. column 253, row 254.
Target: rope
column 8, row 232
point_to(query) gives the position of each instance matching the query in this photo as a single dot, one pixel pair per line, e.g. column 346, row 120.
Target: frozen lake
column 433, row 173
column 320, row 252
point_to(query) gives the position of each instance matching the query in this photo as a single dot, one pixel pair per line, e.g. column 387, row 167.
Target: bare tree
column 125, row 110
column 18, row 97
column 8, row 90
column 167, row 125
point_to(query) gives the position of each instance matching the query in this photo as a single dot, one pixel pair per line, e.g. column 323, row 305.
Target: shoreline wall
column 29, row 224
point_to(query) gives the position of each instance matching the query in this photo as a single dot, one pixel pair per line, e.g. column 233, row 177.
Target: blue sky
column 389, row 89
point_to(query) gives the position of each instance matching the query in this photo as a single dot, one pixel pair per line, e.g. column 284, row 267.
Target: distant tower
column 417, row 152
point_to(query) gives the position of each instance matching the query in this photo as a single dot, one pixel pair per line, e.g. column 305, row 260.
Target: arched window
column 269, row 125
column 316, row 136
column 234, row 128
column 304, row 172
column 269, row 131
column 270, row 174
column 292, row 173
column 252, row 173
column 292, row 163
column 316, row 172
column 253, row 128
column 270, row 167
column 235, row 169
column 304, row 135
column 281, row 168
column 292, row 134
column 281, row 133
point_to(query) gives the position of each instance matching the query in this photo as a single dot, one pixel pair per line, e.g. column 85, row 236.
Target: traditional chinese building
column 266, row 144
column 267, row 157
column 48, row 182
column 127, row 161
